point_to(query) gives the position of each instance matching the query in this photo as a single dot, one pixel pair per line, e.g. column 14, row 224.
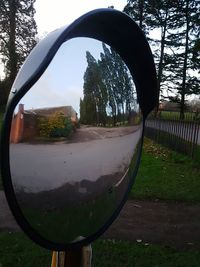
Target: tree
column 83, row 115
column 118, row 81
column 107, row 69
column 176, row 51
column 94, row 93
column 161, row 16
column 17, row 33
column 4, row 85
column 109, row 92
column 137, row 10
column 185, row 60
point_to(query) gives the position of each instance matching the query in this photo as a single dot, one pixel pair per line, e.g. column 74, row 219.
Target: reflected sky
column 62, row 82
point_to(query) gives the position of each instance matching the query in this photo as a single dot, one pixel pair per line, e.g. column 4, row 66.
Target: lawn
column 166, row 175
column 17, row 250
column 175, row 115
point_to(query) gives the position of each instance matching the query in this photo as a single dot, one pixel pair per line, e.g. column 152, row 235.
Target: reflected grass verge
column 17, row 250
column 72, row 219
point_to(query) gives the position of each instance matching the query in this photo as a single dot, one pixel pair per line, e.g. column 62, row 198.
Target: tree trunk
column 160, row 65
column 12, row 44
column 141, row 10
column 183, row 91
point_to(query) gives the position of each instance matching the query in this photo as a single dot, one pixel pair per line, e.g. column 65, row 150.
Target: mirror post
column 81, row 257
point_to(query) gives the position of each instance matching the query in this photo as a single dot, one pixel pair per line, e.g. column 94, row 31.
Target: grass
column 175, row 143
column 124, row 254
column 166, row 175
column 163, row 174
column 175, row 115
column 17, row 250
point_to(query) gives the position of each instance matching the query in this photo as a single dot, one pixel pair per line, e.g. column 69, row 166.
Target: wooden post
column 72, row 258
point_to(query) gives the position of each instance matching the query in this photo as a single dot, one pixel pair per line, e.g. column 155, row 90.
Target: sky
column 62, row 82
column 51, row 15
column 54, row 14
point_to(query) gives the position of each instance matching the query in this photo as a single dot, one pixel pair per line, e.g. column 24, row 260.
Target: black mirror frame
column 120, row 32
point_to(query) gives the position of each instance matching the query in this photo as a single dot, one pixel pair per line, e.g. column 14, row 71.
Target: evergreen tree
column 17, row 33
column 108, row 76
column 83, row 116
column 161, row 16
column 94, row 92
column 118, row 81
column 108, row 89
column 176, row 51
column 137, row 10
column 185, row 59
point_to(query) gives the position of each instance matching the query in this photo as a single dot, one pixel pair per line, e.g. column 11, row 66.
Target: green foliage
column 164, row 174
column 5, row 87
column 173, row 115
column 56, row 125
column 17, row 33
column 95, row 95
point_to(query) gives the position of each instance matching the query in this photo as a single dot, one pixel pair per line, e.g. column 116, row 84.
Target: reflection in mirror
column 74, row 141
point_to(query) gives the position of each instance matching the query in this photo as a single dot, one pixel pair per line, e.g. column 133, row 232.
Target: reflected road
column 38, row 167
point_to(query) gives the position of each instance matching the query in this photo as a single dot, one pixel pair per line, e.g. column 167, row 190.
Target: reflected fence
column 182, row 136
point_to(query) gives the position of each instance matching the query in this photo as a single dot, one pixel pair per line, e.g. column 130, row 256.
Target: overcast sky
column 54, row 14
column 51, row 15
column 62, row 83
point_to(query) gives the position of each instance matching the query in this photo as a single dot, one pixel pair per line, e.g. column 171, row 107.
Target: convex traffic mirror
column 73, row 130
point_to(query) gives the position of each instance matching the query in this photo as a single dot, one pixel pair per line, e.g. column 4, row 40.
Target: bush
column 56, row 125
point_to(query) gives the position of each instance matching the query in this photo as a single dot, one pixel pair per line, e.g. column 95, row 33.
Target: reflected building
column 26, row 123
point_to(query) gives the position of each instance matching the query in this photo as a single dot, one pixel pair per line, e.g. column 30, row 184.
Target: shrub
column 56, row 125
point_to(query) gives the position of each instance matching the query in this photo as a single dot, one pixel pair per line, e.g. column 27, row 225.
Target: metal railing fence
column 182, row 136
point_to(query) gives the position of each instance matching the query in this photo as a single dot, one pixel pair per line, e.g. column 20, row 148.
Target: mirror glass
column 74, row 142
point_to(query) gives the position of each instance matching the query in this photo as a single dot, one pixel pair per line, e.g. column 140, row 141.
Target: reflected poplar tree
column 108, row 90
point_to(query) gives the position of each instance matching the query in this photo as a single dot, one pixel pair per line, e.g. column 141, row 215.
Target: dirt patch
column 85, row 133
column 170, row 224
column 88, row 133
column 155, row 222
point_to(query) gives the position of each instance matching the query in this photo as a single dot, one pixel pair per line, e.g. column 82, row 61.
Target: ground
column 150, row 222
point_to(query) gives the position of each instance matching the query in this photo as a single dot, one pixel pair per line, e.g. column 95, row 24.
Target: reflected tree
column 108, row 90
column 95, row 98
